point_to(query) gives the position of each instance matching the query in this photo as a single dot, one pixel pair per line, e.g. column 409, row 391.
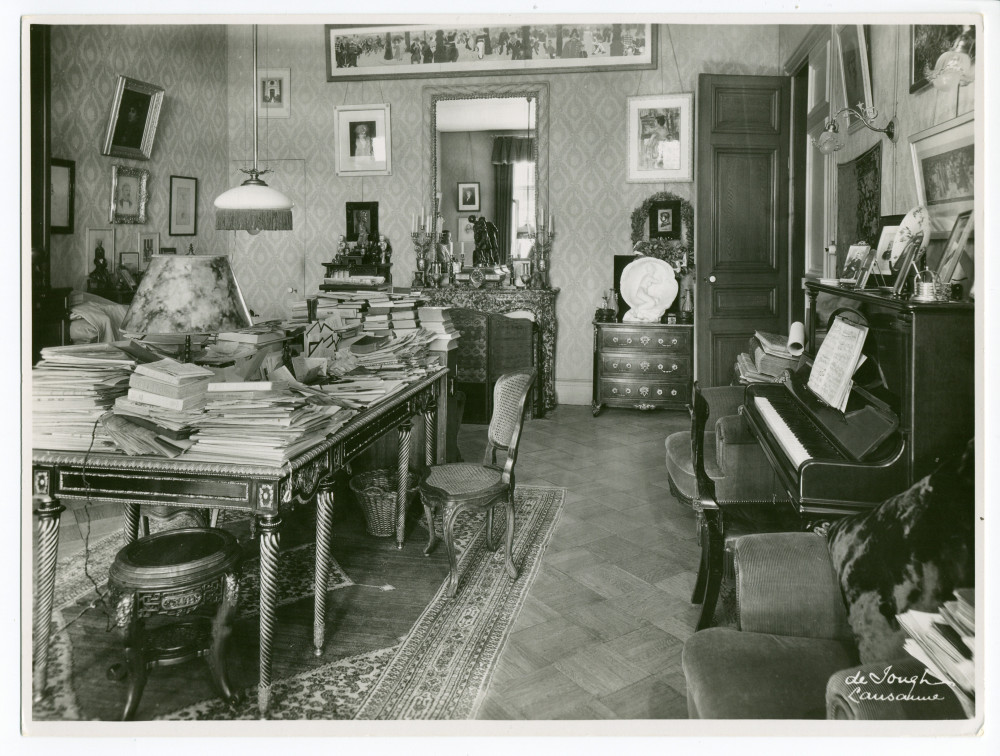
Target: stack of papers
column 942, row 648
column 836, row 362
column 71, row 388
column 361, row 392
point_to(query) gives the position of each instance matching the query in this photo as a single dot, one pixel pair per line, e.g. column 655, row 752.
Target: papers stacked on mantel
column 71, row 388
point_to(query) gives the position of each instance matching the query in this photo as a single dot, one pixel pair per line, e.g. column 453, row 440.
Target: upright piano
column 913, row 403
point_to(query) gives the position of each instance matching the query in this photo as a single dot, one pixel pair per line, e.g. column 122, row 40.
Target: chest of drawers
column 642, row 365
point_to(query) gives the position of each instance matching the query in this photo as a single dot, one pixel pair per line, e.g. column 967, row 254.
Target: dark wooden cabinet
column 49, row 319
column 642, row 365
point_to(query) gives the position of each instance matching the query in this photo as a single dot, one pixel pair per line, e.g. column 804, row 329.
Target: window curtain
column 507, row 150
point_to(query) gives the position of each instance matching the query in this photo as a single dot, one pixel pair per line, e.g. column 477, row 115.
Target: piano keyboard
column 797, row 435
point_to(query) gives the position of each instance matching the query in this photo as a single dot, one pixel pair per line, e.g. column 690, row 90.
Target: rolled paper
column 796, row 338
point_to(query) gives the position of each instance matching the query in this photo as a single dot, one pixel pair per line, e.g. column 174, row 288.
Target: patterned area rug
column 440, row 669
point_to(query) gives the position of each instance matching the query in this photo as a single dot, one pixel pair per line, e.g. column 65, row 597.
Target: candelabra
column 540, row 258
column 424, row 240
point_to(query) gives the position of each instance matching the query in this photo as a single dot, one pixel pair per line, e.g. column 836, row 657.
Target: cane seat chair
column 454, row 488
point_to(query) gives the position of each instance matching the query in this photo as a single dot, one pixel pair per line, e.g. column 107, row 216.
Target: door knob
column 710, row 279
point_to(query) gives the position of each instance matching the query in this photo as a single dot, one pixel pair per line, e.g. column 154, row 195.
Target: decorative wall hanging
column 660, row 138
column 135, row 110
column 62, row 183
column 128, row 194
column 859, row 200
column 679, row 251
column 943, row 164
column 363, row 140
column 382, row 52
column 274, row 90
column 183, row 206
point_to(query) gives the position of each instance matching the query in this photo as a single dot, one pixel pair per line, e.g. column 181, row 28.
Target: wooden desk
column 264, row 492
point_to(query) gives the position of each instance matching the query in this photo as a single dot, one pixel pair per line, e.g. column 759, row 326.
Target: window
column 523, row 211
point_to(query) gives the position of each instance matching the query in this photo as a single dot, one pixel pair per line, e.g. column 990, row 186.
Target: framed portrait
column 397, row 52
column 468, row 196
column 274, row 92
column 855, row 68
column 901, row 267
column 660, row 138
column 100, row 245
column 183, row 206
column 149, row 245
column 888, row 226
column 363, row 140
column 927, row 42
column 362, row 216
column 129, row 192
column 135, row 110
column 944, row 167
column 665, row 219
column 61, row 189
column 857, row 265
column 129, row 261
column 957, row 250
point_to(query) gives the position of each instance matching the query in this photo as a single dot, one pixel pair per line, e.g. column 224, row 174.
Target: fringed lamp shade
column 186, row 295
column 253, row 206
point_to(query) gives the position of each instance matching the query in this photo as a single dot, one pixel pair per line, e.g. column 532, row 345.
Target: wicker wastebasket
column 376, row 493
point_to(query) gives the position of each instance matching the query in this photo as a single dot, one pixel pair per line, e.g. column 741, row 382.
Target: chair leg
column 509, row 556
column 698, row 595
column 135, row 659
column 491, row 543
column 432, row 537
column 448, row 526
column 715, row 563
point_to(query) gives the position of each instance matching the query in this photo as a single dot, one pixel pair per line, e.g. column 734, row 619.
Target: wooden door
column 741, row 250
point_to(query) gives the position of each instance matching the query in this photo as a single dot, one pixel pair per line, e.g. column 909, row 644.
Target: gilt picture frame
column 183, row 206
column 660, row 138
column 62, row 183
column 944, row 169
column 129, row 194
column 135, row 112
column 363, row 140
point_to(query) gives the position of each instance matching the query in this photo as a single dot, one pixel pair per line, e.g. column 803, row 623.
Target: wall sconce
column 954, row 68
column 831, row 140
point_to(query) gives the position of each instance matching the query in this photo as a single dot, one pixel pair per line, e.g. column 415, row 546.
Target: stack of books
column 71, row 388
column 170, row 384
column 766, row 358
column 377, row 317
column 438, row 321
column 262, row 335
column 403, row 312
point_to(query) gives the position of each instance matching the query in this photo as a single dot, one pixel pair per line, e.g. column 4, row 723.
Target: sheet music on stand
column 836, row 361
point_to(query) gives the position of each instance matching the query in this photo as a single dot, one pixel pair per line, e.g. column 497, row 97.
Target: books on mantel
column 71, row 388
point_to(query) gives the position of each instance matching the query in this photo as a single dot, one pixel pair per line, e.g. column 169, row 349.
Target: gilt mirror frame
column 537, row 91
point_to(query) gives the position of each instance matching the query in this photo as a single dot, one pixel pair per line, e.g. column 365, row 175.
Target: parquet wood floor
column 601, row 632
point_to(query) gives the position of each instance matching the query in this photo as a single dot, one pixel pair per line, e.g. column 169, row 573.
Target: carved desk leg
column 324, row 523
column 430, row 431
column 269, row 541
column 402, row 480
column 131, row 530
column 47, row 511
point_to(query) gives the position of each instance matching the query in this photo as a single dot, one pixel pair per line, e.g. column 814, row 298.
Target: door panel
column 741, row 254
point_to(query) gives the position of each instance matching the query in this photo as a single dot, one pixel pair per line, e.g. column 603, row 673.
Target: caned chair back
column 509, row 397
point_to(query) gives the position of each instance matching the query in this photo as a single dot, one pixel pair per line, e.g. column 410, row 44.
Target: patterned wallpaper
column 588, row 191
column 189, row 63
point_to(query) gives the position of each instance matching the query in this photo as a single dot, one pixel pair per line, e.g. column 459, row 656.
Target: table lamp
column 184, row 296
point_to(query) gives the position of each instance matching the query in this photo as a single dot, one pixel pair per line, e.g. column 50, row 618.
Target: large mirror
column 487, row 158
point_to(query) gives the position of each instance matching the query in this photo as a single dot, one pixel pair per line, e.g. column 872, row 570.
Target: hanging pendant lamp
column 253, row 206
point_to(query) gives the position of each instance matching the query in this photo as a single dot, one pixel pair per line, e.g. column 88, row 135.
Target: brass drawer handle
column 628, row 391
column 673, row 392
column 645, row 365
column 660, row 341
column 628, row 340
column 644, row 340
column 615, row 364
column 673, row 342
column 659, row 392
column 614, row 339
column 614, row 391
column 628, row 365
column 644, row 390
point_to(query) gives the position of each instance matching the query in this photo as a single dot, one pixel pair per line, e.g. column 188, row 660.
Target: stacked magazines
column 71, row 388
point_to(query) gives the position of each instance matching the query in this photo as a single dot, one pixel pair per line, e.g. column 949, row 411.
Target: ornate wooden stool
column 174, row 573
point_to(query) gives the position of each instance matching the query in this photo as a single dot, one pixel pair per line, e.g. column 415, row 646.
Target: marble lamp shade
column 186, row 295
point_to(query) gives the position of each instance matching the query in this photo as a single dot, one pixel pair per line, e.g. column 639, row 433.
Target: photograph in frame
column 660, row 138
column 468, row 196
column 129, row 194
column 955, row 250
column 381, row 52
column 274, row 95
column 361, row 217
column 63, row 183
column 183, row 206
column 665, row 219
column 135, row 111
column 888, row 226
column 363, row 140
column 944, row 169
column 857, row 266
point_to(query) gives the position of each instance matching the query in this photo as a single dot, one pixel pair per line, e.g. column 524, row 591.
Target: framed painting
column 957, row 250
column 857, row 266
column 183, row 206
column 149, row 245
column 855, row 68
column 411, row 51
column 61, row 188
column 129, row 261
column 363, row 140
column 135, row 110
column 362, row 221
column 468, row 196
column 944, row 167
column 665, row 219
column 888, row 226
column 927, row 42
column 660, row 138
column 274, row 92
column 129, row 194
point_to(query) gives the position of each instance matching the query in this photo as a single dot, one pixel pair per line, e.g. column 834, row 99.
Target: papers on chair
column 836, row 362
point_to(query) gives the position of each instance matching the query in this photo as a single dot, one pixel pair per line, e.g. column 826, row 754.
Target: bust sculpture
column 649, row 287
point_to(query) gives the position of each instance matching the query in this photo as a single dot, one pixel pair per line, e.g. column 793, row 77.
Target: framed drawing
column 857, row 266
column 944, row 167
column 888, row 226
column 362, row 220
column 665, row 219
column 149, row 245
column 363, row 140
column 274, row 92
column 129, row 261
column 100, row 246
column 395, row 52
column 855, row 70
column 927, row 42
column 183, row 206
column 468, row 196
column 128, row 194
column 61, row 188
column 135, row 110
column 660, row 138
column 957, row 249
